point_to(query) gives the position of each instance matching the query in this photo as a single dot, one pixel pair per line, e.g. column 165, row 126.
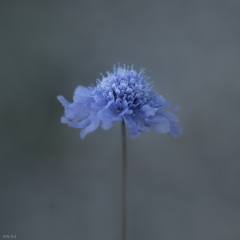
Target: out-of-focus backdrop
column 55, row 186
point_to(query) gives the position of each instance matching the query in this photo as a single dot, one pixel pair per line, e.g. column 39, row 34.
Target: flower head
column 123, row 95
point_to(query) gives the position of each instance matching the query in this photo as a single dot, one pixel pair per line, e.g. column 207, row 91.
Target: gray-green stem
column 124, row 175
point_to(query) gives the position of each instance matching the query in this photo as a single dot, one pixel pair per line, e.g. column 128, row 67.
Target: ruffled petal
column 176, row 131
column 149, row 111
column 135, row 129
column 81, row 94
column 166, row 104
column 83, row 108
column 90, row 128
column 159, row 124
column 126, row 111
column 140, row 113
column 63, row 101
column 84, row 123
column 76, row 112
column 100, row 101
column 171, row 117
column 175, row 109
column 108, row 117
column 132, row 125
column 159, row 100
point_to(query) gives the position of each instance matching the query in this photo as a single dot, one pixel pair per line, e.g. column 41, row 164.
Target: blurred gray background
column 54, row 185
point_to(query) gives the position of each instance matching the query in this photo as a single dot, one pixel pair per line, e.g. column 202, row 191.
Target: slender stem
column 124, row 168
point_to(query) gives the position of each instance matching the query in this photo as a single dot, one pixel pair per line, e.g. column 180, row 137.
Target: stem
column 124, row 168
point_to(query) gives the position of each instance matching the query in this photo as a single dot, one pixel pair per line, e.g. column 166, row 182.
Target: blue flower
column 123, row 95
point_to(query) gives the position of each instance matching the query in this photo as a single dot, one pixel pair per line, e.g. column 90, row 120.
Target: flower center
column 124, row 84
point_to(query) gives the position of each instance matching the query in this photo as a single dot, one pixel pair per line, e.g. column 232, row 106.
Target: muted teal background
column 56, row 186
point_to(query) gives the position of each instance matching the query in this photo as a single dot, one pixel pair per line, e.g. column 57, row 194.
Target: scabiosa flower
column 123, row 95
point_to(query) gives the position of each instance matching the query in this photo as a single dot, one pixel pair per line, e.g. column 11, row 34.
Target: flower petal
column 132, row 125
column 108, row 117
column 81, row 94
column 81, row 124
column 175, row 109
column 135, row 129
column 100, row 101
column 176, row 131
column 76, row 113
column 63, row 101
column 166, row 104
column 159, row 100
column 90, row 128
column 171, row 117
column 149, row 111
column 159, row 124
